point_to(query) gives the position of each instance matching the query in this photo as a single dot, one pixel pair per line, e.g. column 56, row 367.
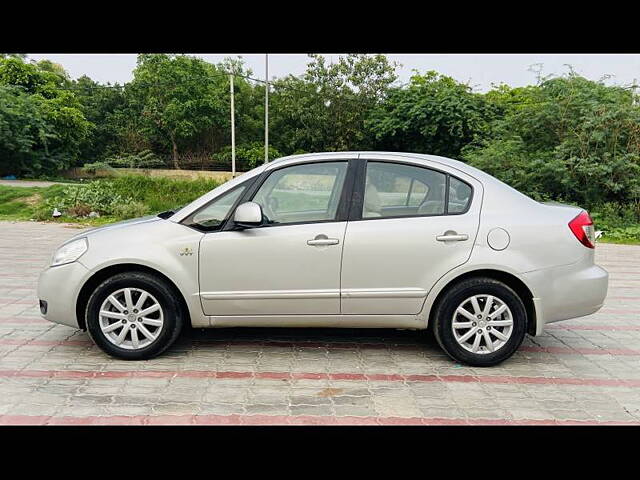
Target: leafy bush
column 143, row 159
column 123, row 197
column 160, row 193
column 99, row 196
column 92, row 168
column 80, row 210
column 567, row 139
column 132, row 209
column 620, row 223
column 629, row 234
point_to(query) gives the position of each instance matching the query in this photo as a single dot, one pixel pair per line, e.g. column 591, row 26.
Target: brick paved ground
column 580, row 371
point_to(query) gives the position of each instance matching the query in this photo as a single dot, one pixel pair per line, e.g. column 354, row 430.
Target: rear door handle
column 321, row 240
column 452, row 237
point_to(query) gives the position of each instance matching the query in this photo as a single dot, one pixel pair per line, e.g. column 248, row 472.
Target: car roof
column 363, row 154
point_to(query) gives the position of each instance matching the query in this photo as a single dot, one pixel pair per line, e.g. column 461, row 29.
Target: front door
column 413, row 226
column 289, row 266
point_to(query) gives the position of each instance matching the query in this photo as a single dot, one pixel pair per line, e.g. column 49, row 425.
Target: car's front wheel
column 480, row 322
column 134, row 316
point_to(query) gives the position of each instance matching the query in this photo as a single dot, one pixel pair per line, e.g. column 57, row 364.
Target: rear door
column 409, row 225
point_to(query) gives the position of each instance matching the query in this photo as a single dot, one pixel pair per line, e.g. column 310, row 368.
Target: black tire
column 166, row 297
column 447, row 305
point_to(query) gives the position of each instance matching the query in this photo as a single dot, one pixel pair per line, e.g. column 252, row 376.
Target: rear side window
column 401, row 190
column 459, row 195
column 397, row 190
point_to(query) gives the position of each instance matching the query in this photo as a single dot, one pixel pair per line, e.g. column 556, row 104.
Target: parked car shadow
column 312, row 337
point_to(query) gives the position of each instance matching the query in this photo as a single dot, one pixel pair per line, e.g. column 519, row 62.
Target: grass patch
column 8, row 194
column 620, row 241
column 23, row 203
column 114, row 199
column 160, row 194
column 620, row 223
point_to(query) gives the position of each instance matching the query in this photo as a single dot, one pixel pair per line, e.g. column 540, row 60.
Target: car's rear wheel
column 134, row 316
column 480, row 322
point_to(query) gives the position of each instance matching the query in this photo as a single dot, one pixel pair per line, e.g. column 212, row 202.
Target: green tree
column 22, row 129
column 178, row 96
column 567, row 138
column 248, row 155
column 102, row 106
column 21, row 56
column 50, row 115
column 327, row 107
column 55, row 68
column 434, row 114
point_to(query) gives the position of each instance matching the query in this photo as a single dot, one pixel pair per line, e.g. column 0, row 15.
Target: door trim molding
column 271, row 294
column 322, row 293
column 384, row 293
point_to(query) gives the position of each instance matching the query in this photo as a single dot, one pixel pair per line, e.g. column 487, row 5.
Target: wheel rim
column 482, row 324
column 131, row 318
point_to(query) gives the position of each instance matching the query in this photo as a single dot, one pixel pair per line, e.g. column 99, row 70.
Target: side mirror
column 248, row 215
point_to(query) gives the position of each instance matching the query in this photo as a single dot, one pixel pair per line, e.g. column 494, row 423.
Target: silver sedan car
column 351, row 239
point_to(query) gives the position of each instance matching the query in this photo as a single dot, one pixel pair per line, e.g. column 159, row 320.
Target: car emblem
column 186, row 251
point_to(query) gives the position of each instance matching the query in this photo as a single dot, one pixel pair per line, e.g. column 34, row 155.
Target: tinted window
column 393, row 190
column 214, row 214
column 302, row 193
column 459, row 195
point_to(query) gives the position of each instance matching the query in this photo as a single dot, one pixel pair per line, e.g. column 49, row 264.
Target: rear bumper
column 565, row 292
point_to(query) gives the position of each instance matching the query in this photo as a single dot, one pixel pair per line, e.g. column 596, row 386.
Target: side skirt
column 320, row 321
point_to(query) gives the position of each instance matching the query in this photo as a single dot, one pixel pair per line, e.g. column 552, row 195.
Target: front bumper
column 58, row 287
column 569, row 291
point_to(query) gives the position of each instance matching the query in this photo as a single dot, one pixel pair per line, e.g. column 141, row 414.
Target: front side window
column 396, row 190
column 302, row 193
column 212, row 216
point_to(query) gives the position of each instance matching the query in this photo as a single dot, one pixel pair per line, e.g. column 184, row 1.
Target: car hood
column 117, row 225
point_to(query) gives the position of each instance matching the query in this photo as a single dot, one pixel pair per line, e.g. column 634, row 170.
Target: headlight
column 70, row 252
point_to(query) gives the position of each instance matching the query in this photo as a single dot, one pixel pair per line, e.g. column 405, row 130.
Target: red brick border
column 336, row 345
column 374, row 377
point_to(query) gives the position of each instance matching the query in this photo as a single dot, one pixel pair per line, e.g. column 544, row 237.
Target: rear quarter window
column 459, row 195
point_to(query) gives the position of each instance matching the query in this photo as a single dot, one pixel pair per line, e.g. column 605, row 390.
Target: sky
column 479, row 70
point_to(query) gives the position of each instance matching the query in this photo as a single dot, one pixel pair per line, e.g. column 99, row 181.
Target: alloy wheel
column 131, row 318
column 482, row 324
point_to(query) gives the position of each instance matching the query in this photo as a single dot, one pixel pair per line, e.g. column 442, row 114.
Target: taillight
column 582, row 228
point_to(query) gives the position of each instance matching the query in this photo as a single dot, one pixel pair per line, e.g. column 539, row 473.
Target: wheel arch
column 111, row 270
column 509, row 279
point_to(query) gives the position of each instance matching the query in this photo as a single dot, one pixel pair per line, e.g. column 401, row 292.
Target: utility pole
column 233, row 131
column 266, row 109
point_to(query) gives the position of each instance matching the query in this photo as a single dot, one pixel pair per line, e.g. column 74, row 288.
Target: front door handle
column 322, row 240
column 451, row 236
